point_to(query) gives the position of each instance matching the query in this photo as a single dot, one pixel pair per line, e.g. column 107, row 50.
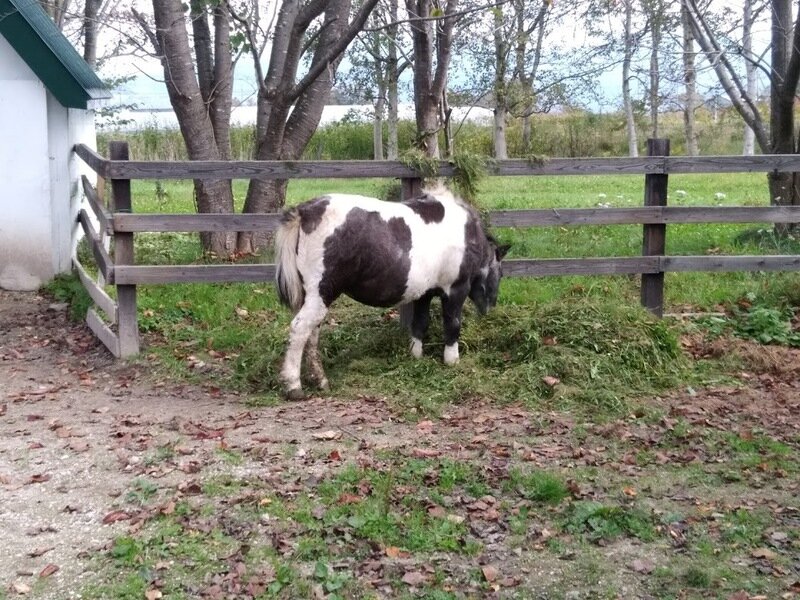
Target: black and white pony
column 381, row 254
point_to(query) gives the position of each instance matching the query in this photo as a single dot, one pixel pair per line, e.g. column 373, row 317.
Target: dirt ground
column 77, row 429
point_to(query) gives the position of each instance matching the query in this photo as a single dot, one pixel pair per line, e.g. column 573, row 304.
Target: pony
column 381, row 254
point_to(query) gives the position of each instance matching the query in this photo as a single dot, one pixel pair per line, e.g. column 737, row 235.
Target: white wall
column 25, row 239
column 38, row 176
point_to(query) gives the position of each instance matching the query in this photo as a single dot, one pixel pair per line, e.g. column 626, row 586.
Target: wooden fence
column 118, row 222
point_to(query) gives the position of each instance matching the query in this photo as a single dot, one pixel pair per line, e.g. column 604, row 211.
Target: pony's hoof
column 294, row 394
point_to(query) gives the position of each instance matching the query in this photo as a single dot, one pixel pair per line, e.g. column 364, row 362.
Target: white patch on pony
column 416, row 347
column 436, row 254
column 451, row 354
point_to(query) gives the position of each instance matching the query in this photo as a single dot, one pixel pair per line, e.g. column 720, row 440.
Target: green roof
column 49, row 54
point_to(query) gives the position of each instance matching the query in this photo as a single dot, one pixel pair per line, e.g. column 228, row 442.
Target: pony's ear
column 501, row 251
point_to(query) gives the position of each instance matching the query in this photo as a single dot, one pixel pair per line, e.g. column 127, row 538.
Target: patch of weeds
column 68, row 288
column 230, row 456
column 601, row 522
column 131, row 564
column 767, row 325
column 223, row 485
column 539, row 486
column 697, row 577
column 391, row 506
column 161, row 454
column 332, row 581
column 745, row 527
column 141, row 492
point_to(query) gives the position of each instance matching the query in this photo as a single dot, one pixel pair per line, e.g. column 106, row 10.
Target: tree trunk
column 289, row 111
column 627, row 102
column 392, row 77
column 90, row 28
column 190, row 108
column 500, row 145
column 690, row 84
column 655, row 67
column 500, row 96
column 749, row 145
column 430, row 74
column 377, row 126
column 527, row 133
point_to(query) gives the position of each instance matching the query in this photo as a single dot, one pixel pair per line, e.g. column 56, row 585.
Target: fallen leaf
column 740, row 595
column 393, row 551
column 327, row 435
column 39, row 478
column 425, row 453
column 414, row 578
column 40, row 551
column 425, row 426
column 78, row 445
column 629, row 491
column 20, row 588
column 764, row 553
column 334, row 455
column 490, row 573
column 645, row 567
column 114, row 516
column 3, row 409
column 550, row 380
column 348, row 498
column 153, row 595
column 48, row 570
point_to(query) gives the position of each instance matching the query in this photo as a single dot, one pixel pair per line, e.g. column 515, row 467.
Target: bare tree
column 629, row 47
column 749, row 144
column 783, row 70
column 289, row 107
column 690, row 83
column 201, row 102
column 432, row 36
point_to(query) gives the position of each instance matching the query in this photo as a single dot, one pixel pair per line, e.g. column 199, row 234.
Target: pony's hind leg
column 314, row 360
column 307, row 319
column 419, row 323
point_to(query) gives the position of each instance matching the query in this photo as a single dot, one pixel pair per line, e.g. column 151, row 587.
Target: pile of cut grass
column 600, row 355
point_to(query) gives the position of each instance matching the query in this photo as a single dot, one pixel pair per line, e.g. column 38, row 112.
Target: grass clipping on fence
column 580, row 355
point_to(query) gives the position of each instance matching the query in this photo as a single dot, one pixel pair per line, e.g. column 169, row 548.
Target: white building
column 47, row 93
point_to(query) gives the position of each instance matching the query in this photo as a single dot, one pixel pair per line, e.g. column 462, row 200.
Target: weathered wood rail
column 120, row 222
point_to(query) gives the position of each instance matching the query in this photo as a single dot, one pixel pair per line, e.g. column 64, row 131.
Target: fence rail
column 119, row 221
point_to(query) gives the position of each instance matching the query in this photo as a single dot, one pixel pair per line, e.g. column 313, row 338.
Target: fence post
column 655, row 236
column 411, row 188
column 127, row 323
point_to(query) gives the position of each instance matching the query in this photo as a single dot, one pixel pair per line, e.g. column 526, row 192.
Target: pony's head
column 486, row 284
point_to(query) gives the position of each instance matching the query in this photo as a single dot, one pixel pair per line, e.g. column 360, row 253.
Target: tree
column 289, row 106
column 690, row 82
column 201, row 102
column 432, row 36
column 783, row 70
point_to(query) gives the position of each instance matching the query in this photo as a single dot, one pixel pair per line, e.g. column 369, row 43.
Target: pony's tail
column 287, row 277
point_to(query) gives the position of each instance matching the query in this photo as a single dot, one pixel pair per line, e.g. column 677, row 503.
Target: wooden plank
column 307, row 169
column 126, row 222
column 581, row 266
column 92, row 158
column 654, row 237
column 127, row 320
column 101, row 257
column 97, row 293
column 265, row 273
column 103, row 332
column 733, row 164
column 104, row 217
column 157, row 274
column 719, row 264
column 652, row 215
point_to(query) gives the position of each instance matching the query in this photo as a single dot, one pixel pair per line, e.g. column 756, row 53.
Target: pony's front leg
column 314, row 360
column 419, row 324
column 304, row 323
column 451, row 321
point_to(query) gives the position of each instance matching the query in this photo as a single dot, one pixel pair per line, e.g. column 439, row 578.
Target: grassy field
column 539, row 467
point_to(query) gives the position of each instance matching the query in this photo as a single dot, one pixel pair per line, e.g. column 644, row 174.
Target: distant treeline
column 574, row 134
